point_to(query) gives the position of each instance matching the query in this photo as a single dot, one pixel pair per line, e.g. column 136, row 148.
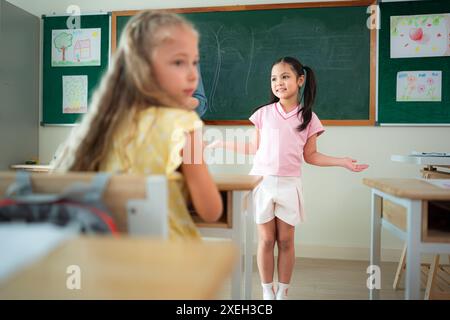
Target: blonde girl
column 141, row 119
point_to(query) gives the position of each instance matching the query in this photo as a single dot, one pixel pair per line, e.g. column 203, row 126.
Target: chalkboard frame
column 372, row 59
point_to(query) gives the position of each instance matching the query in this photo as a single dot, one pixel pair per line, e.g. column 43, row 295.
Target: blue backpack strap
column 92, row 192
column 20, row 187
column 98, row 185
column 22, row 191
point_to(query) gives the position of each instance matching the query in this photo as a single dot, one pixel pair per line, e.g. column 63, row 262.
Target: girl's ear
column 301, row 81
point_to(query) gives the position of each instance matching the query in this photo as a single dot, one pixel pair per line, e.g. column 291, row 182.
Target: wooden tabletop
column 225, row 182
column 120, row 189
column 415, row 189
column 127, row 268
column 236, row 182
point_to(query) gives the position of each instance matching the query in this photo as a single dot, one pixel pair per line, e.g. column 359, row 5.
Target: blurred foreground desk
column 126, row 268
column 415, row 195
column 236, row 222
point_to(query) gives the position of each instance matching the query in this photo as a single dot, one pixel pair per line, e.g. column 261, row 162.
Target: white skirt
column 280, row 197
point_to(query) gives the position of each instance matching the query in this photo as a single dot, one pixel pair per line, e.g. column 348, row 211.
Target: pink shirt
column 280, row 151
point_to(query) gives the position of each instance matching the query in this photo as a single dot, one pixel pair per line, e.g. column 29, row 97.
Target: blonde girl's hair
column 128, row 87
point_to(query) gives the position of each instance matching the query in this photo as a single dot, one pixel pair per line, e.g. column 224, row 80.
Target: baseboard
column 343, row 253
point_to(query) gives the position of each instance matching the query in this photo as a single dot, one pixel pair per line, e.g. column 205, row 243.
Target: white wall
column 337, row 204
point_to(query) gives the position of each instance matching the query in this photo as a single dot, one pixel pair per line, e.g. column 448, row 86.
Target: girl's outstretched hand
column 352, row 165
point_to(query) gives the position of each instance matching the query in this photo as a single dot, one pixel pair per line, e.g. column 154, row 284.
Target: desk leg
column 412, row 280
column 375, row 241
column 236, row 278
column 248, row 265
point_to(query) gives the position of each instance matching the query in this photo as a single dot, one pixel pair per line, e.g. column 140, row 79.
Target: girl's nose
column 193, row 73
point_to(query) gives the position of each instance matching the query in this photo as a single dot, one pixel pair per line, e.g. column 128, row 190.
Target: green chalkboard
column 238, row 47
column 391, row 111
column 52, row 96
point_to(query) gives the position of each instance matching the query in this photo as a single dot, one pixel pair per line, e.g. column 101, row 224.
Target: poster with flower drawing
column 420, row 36
column 419, row 86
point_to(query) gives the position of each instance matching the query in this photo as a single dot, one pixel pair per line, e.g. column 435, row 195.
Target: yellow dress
column 150, row 143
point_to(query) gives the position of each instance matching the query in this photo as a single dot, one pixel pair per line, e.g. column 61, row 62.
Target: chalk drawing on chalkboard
column 227, row 55
column 419, row 86
column 217, row 68
column 420, row 36
column 250, row 63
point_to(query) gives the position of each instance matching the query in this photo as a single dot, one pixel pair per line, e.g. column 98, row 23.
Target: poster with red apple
column 420, row 36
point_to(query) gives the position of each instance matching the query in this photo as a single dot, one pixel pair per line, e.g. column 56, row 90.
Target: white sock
column 268, row 293
column 282, row 291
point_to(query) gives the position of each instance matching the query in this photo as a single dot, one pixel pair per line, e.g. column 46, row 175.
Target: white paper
column 429, row 154
column 419, row 86
column 420, row 36
column 75, row 94
column 441, row 183
column 21, row 244
column 76, row 47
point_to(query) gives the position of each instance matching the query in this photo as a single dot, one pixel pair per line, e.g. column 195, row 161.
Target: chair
column 396, row 215
column 138, row 204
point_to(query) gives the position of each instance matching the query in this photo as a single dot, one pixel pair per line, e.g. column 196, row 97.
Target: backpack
column 79, row 204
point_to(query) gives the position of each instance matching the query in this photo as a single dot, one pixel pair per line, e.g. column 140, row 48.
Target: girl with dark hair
column 286, row 133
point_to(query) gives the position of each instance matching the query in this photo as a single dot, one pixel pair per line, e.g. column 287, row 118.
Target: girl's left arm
column 312, row 156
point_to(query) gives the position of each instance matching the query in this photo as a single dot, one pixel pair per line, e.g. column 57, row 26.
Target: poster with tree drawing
column 76, row 47
column 420, row 36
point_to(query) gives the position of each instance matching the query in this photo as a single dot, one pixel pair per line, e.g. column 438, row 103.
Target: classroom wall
column 337, row 204
column 19, row 84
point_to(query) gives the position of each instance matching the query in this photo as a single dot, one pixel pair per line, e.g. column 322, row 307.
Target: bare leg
column 286, row 251
column 265, row 257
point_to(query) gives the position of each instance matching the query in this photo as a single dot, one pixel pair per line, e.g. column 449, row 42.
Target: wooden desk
column 126, row 268
column 433, row 167
column 414, row 195
column 236, row 224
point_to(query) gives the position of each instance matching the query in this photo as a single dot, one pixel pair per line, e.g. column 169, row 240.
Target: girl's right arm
column 243, row 148
column 204, row 193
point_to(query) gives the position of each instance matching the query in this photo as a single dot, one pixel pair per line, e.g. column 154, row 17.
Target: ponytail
column 308, row 94
column 308, row 97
